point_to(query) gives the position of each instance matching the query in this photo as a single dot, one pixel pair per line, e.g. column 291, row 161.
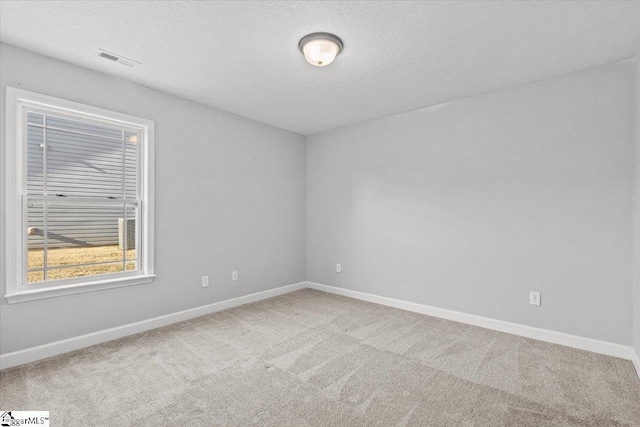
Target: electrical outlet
column 338, row 268
column 534, row 298
column 234, row 275
column 205, row 281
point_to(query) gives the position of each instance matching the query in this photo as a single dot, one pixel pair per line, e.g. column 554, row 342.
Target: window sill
column 96, row 285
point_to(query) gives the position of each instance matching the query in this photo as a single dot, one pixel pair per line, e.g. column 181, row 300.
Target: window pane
column 92, row 270
column 35, row 276
column 131, row 137
column 131, row 165
column 81, row 165
column 35, row 118
column 85, row 127
column 35, row 149
column 127, row 237
column 80, row 158
column 35, row 241
column 83, row 234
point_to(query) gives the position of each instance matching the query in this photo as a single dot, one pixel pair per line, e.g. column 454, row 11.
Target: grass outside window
column 73, row 256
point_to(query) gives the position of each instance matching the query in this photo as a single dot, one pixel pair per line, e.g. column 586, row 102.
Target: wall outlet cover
column 534, row 298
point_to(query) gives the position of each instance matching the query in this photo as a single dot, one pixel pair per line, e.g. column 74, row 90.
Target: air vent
column 117, row 58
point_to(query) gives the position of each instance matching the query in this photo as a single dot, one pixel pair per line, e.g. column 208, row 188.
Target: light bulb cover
column 320, row 49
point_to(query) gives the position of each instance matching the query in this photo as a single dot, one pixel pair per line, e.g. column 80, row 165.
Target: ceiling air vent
column 117, row 58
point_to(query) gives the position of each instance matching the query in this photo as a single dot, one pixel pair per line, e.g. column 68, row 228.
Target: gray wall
column 636, row 212
column 471, row 204
column 230, row 195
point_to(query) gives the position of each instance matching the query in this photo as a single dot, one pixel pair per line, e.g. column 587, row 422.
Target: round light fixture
column 320, row 49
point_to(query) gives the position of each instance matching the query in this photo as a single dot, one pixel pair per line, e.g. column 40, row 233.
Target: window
column 79, row 198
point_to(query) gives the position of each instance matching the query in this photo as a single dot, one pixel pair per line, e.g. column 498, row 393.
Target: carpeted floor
column 314, row 359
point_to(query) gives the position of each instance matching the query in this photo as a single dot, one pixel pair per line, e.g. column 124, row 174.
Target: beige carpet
column 314, row 359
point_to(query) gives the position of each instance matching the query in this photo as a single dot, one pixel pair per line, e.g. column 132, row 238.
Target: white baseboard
column 32, row 354
column 636, row 362
column 568, row 340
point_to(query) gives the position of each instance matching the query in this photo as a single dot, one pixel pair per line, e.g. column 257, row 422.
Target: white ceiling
column 243, row 56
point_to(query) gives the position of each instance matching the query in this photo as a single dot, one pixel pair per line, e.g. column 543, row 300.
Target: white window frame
column 15, row 166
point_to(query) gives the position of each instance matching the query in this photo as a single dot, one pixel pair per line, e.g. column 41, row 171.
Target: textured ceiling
column 243, row 57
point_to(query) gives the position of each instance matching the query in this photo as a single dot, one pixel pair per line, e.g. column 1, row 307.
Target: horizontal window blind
column 71, row 158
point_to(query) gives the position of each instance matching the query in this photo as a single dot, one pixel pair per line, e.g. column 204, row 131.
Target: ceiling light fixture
column 320, row 49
